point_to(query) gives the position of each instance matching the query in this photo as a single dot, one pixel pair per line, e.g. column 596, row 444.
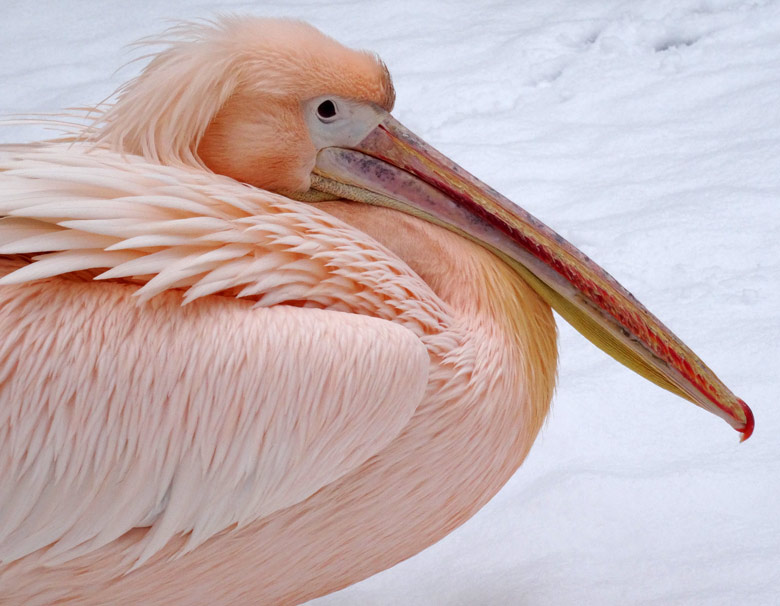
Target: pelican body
column 259, row 341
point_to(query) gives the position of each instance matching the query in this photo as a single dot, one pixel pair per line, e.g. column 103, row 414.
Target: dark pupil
column 326, row 109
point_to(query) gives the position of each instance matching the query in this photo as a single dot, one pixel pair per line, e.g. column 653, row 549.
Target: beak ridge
column 393, row 167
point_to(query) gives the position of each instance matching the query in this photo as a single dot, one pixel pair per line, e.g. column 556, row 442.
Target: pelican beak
column 393, row 167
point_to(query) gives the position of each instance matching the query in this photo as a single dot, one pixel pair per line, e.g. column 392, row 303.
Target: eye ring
column 327, row 111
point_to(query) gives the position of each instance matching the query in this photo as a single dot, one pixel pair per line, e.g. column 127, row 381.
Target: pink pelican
column 260, row 341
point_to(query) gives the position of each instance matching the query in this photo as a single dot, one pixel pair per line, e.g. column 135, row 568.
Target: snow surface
column 648, row 133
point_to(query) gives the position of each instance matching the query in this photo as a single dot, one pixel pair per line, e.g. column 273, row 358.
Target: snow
column 648, row 133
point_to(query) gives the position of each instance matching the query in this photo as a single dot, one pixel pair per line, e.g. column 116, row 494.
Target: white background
column 648, row 133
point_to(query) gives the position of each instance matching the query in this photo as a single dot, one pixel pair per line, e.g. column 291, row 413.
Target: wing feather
column 186, row 420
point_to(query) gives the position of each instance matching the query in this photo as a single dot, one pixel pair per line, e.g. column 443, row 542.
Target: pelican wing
column 185, row 420
column 121, row 408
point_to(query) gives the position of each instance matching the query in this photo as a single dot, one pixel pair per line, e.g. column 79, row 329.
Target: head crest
column 164, row 112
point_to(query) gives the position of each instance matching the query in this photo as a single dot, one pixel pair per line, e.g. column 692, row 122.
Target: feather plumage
column 211, row 393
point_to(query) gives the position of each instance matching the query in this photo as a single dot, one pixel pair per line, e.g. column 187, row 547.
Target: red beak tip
column 750, row 422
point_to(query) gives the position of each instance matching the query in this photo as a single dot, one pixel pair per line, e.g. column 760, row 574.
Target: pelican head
column 278, row 105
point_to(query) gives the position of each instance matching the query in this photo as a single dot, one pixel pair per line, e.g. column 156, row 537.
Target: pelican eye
column 326, row 111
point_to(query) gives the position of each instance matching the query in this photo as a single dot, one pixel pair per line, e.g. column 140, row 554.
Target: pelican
column 260, row 341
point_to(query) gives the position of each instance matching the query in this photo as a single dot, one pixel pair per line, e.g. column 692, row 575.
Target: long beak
column 393, row 167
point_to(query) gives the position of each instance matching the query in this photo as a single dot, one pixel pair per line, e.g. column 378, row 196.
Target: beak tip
column 747, row 430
